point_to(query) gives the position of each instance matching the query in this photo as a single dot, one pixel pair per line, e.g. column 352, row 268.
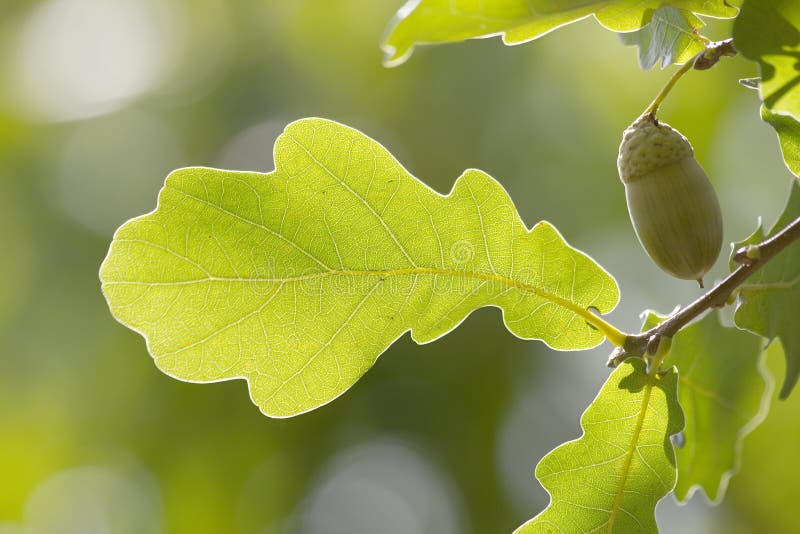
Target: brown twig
column 750, row 258
column 713, row 52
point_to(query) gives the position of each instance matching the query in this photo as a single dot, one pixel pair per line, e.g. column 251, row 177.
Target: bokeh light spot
column 81, row 58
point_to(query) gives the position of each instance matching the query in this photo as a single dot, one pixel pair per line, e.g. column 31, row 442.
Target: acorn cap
column 648, row 145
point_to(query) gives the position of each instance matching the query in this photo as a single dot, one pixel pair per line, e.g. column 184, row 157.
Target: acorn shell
column 672, row 204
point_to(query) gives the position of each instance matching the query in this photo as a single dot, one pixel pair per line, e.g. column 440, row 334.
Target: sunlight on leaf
column 611, row 478
column 724, row 389
column 788, row 129
column 518, row 21
column 768, row 31
column 670, row 37
column 297, row 280
column 770, row 299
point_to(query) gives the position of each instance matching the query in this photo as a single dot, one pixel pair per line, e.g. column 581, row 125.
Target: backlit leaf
column 769, row 301
column 788, row 129
column 670, row 37
column 724, row 390
column 297, row 280
column 518, row 21
column 610, row 479
column 768, row 31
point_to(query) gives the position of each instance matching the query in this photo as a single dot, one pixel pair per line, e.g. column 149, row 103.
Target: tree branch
column 751, row 258
column 713, row 53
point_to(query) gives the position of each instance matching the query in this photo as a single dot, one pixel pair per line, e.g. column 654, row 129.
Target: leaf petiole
column 614, row 335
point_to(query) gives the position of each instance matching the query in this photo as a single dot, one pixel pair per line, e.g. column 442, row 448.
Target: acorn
column 673, row 207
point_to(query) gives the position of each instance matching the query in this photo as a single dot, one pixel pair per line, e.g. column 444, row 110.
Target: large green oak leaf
column 769, row 302
column 611, row 478
column 724, row 389
column 297, row 280
column 768, row 31
column 518, row 21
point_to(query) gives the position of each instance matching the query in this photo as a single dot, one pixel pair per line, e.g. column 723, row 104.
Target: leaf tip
column 395, row 50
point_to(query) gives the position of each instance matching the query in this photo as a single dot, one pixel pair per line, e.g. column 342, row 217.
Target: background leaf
column 768, row 31
column 768, row 303
column 788, row 129
column 724, row 390
column 442, row 21
column 670, row 37
column 611, row 478
column 299, row 279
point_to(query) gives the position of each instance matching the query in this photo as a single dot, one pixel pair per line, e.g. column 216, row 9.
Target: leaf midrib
column 766, row 286
column 703, row 392
column 626, row 466
column 412, row 271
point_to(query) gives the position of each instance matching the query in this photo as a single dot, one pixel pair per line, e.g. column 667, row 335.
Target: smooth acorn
column 672, row 204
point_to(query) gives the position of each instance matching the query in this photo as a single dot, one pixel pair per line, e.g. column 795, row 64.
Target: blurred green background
column 100, row 99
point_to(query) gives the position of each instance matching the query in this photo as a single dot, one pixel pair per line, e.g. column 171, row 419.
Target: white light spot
column 82, row 58
column 383, row 487
column 95, row 500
